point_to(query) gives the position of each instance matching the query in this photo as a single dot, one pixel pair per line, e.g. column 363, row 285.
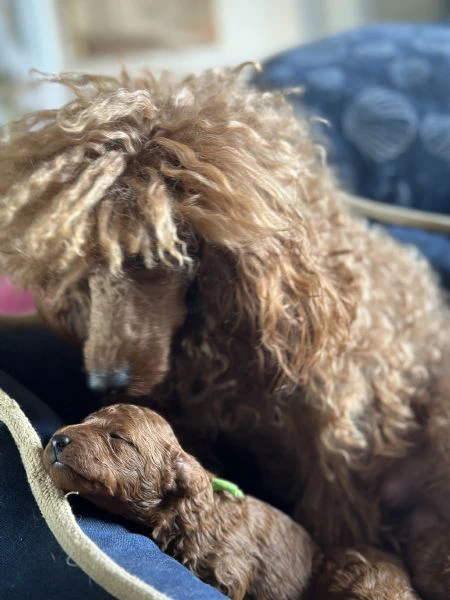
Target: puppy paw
column 363, row 573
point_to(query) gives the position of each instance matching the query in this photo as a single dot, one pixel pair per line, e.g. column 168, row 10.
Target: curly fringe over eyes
column 149, row 166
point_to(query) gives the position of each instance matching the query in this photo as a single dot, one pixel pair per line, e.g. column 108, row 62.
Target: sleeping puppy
column 127, row 460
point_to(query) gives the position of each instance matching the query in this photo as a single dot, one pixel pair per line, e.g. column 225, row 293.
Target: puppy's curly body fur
column 127, row 459
column 320, row 344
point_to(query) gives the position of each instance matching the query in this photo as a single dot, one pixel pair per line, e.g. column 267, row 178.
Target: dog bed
column 50, row 545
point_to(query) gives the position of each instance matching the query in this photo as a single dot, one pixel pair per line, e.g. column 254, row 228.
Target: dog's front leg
column 361, row 573
column 429, row 555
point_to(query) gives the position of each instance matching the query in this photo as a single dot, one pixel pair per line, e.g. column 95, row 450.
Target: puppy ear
column 186, row 475
column 183, row 475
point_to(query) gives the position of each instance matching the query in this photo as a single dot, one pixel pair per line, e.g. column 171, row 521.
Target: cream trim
column 60, row 518
column 398, row 215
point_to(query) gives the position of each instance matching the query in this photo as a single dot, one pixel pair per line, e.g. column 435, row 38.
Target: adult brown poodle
column 315, row 342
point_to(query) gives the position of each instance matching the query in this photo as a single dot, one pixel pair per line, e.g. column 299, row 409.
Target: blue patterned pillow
column 385, row 91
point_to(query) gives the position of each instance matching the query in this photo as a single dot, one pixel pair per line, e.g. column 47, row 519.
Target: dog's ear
column 295, row 304
column 302, row 305
column 186, row 475
column 277, row 252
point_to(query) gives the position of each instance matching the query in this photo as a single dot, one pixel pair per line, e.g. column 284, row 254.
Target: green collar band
column 222, row 485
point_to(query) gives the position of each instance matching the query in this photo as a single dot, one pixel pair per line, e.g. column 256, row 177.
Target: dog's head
column 125, row 323
column 111, row 206
column 125, row 459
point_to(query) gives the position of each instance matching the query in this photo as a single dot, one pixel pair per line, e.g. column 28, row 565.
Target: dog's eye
column 117, row 436
column 136, row 269
column 135, row 263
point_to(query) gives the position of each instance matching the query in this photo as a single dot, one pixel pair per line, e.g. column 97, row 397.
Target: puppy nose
column 59, row 442
column 114, row 381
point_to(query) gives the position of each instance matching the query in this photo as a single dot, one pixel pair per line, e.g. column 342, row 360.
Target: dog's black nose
column 59, row 442
column 114, row 381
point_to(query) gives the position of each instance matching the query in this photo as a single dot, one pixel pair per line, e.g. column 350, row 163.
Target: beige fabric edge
column 398, row 215
column 60, row 518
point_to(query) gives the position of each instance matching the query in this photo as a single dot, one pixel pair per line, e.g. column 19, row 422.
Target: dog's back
column 287, row 553
column 261, row 552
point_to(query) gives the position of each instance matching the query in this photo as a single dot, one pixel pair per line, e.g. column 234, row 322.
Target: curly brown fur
column 363, row 574
column 429, row 554
column 127, row 459
column 319, row 343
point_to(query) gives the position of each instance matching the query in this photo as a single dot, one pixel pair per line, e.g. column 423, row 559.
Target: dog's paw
column 363, row 573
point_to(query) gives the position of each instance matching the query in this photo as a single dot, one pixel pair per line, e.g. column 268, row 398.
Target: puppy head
column 123, row 458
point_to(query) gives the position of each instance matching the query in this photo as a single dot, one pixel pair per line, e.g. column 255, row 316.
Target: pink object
column 14, row 302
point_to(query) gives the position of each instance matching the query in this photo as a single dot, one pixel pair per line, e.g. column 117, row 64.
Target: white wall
column 247, row 30
column 410, row 10
column 324, row 17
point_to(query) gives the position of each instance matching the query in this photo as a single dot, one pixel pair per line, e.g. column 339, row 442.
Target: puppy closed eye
column 113, row 435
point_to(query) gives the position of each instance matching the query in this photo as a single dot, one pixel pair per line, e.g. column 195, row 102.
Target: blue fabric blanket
column 32, row 564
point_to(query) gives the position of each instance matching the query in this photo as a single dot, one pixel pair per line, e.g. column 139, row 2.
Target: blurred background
column 181, row 35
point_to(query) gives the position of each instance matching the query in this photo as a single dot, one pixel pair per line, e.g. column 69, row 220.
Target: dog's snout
column 59, row 442
column 114, row 381
column 120, row 379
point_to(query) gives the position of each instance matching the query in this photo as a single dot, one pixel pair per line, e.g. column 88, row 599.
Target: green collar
column 222, row 485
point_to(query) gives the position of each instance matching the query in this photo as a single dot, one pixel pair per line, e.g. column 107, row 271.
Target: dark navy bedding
column 32, row 565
